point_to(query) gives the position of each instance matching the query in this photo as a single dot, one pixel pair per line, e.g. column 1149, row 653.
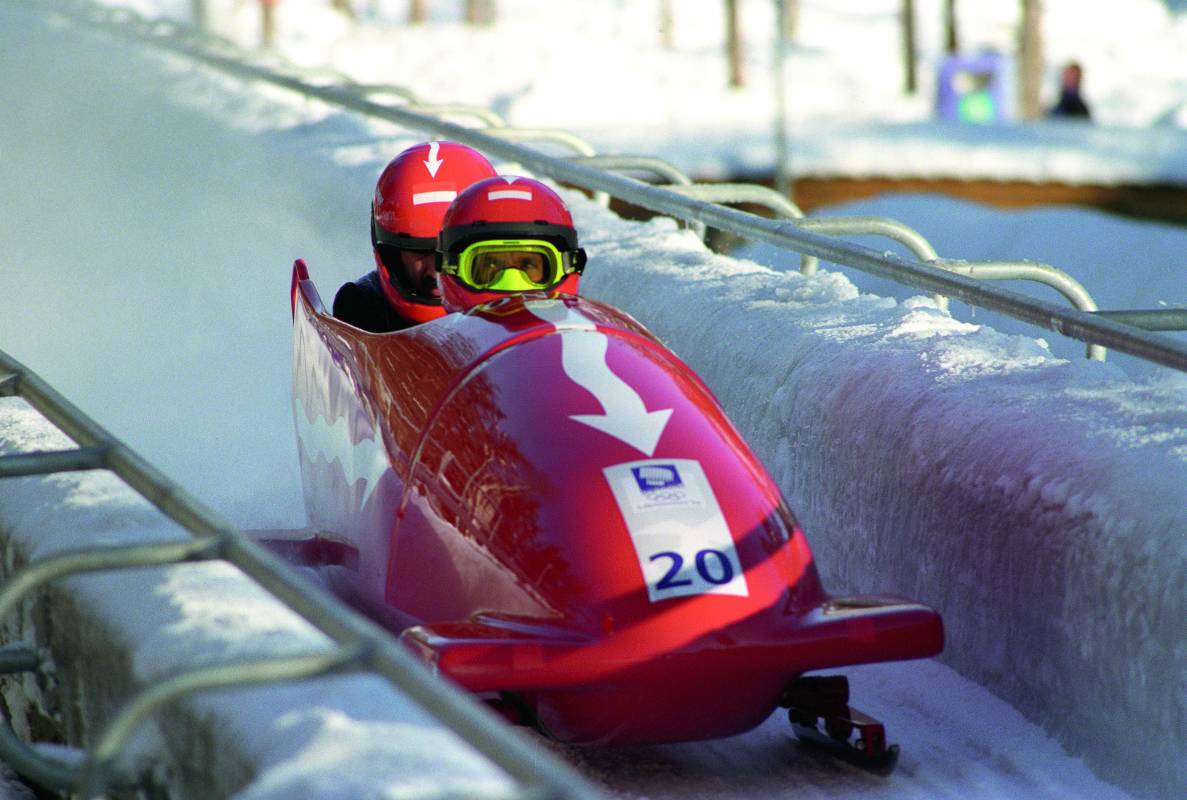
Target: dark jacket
column 363, row 305
column 1071, row 104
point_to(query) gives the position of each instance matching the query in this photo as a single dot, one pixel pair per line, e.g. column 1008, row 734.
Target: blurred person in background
column 1071, row 103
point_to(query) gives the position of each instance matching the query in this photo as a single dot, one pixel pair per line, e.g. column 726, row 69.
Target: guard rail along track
column 360, row 645
column 1128, row 331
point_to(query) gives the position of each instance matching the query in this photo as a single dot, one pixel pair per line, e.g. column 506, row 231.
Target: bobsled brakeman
column 552, row 510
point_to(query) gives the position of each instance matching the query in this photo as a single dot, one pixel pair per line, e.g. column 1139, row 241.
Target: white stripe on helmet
column 421, row 198
column 509, row 194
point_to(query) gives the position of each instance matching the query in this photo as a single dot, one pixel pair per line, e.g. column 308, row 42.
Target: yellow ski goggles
column 510, row 265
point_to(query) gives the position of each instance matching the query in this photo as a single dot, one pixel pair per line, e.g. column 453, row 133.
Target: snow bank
column 1039, row 504
column 112, row 634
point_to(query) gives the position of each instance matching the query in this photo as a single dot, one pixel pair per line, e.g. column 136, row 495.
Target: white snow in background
column 576, row 65
column 151, row 263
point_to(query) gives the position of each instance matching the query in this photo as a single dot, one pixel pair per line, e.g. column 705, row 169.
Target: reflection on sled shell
column 545, row 502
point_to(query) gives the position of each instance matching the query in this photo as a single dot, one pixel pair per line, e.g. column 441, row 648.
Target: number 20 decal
column 721, row 574
column 677, row 529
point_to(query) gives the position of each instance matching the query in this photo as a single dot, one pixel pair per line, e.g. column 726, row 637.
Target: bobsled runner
column 552, row 510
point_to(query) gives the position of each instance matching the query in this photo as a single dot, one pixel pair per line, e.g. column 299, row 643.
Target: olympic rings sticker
column 680, row 536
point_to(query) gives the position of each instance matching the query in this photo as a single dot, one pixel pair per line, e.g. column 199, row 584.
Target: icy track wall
column 1009, row 489
column 112, row 634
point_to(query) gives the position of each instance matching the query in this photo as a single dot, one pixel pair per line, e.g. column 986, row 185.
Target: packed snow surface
column 147, row 264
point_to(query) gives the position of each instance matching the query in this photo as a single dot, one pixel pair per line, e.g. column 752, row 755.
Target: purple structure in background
column 973, row 88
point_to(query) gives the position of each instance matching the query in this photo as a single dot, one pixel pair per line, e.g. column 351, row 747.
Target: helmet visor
column 510, row 265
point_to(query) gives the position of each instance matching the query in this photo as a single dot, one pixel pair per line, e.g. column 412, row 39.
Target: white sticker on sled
column 680, row 536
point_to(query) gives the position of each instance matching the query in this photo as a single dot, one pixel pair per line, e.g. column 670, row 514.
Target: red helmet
column 411, row 197
column 506, row 235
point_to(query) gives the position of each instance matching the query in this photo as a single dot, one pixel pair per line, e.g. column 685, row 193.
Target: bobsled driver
column 506, row 235
column 411, row 197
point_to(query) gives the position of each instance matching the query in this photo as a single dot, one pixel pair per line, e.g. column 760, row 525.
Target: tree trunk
column 733, row 45
column 665, row 24
column 910, row 82
column 267, row 22
column 417, row 13
column 1031, row 74
column 198, row 15
column 951, row 35
column 343, row 6
column 779, row 84
column 791, row 19
column 480, row 12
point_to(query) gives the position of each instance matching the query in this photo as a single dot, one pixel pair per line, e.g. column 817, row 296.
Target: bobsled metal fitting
column 19, row 658
column 819, row 711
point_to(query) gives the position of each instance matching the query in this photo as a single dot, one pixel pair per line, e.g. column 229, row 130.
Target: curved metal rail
column 1065, row 284
column 652, row 164
column 487, row 117
column 43, row 769
column 881, row 226
column 569, row 140
column 628, row 163
column 742, row 193
column 754, row 194
column 1154, row 319
column 380, row 89
column 539, row 772
column 1046, row 274
column 502, row 143
column 98, row 773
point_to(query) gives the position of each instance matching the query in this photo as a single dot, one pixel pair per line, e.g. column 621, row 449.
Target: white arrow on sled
column 583, row 357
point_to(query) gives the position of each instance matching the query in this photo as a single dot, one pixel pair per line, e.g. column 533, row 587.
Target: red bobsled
column 551, row 508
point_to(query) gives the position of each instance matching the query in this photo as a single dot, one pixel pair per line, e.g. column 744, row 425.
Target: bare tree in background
column 480, row 12
column 733, row 44
column 951, row 37
column 267, row 22
column 910, row 83
column 783, row 183
column 417, row 13
column 1031, row 46
column 665, row 24
column 198, row 14
column 791, row 19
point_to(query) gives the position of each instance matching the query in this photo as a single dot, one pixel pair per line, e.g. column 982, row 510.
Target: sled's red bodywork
column 543, row 500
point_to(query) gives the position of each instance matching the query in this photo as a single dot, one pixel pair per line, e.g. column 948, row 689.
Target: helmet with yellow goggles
column 503, row 235
column 510, row 265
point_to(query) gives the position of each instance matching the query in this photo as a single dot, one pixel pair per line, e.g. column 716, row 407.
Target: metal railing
column 487, row 117
column 359, row 643
column 628, row 163
column 897, row 231
column 754, row 194
column 1154, row 319
column 932, row 276
column 381, row 89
